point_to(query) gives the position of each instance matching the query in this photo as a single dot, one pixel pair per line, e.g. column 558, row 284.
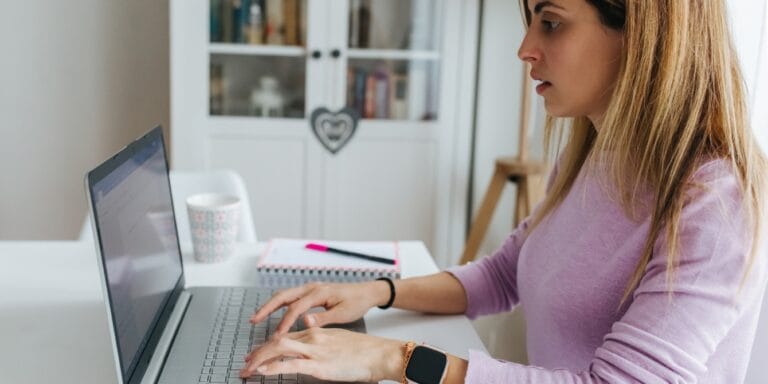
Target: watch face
column 426, row 365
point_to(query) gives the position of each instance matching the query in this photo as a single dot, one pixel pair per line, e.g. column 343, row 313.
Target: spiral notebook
column 288, row 262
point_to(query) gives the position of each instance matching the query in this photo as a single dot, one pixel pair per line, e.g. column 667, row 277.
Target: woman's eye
column 550, row 25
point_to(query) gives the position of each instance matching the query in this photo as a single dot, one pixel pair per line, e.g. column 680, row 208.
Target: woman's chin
column 556, row 112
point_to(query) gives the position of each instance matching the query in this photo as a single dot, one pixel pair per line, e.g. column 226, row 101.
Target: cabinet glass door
column 257, row 58
column 393, row 68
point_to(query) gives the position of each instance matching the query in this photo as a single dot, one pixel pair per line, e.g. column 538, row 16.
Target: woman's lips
column 543, row 87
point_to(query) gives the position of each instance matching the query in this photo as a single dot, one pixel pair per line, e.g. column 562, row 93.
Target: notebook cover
column 290, row 257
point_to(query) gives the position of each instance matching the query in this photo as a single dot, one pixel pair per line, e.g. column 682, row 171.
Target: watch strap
column 407, row 352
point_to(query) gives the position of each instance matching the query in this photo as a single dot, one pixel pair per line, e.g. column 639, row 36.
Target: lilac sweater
column 569, row 275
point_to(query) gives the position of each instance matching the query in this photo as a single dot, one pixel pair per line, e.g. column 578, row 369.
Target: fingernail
column 262, row 369
column 310, row 321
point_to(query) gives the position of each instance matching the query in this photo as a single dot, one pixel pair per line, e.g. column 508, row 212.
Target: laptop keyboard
column 233, row 337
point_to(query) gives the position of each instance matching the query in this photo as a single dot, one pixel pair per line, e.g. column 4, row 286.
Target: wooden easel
column 517, row 169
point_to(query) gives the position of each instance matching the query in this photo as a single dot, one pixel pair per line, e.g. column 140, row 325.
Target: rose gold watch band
column 407, row 352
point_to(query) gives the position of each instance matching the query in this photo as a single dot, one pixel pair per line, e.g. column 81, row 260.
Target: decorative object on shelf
column 255, row 25
column 334, row 129
column 267, row 100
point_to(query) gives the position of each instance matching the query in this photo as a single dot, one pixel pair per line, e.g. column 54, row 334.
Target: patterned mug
column 214, row 221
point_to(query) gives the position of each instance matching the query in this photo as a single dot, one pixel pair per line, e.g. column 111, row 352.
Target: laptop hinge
column 152, row 374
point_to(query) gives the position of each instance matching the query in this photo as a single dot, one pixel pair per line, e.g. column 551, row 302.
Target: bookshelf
column 392, row 54
column 255, row 50
column 387, row 68
column 247, row 74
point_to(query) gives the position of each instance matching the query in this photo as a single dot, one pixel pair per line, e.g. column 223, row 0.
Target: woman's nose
column 528, row 51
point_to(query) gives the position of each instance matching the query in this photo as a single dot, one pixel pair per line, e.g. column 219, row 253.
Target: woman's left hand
column 328, row 354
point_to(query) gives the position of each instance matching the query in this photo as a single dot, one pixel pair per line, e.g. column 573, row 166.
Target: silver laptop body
column 161, row 331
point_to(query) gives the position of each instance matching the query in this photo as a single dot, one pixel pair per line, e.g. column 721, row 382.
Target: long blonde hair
column 679, row 98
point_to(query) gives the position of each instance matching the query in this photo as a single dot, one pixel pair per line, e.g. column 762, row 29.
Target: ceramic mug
column 214, row 222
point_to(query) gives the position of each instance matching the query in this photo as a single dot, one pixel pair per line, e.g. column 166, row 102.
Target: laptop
column 162, row 331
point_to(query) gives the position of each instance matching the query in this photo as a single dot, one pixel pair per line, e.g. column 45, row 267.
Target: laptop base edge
column 166, row 340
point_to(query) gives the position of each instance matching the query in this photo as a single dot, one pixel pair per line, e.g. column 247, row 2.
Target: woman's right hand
column 343, row 303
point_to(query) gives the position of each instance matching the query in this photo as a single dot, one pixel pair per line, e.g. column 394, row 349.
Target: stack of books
column 385, row 94
column 273, row 22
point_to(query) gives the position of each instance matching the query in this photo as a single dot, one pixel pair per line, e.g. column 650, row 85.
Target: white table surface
column 53, row 323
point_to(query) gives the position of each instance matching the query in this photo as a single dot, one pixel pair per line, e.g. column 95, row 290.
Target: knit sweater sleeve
column 491, row 283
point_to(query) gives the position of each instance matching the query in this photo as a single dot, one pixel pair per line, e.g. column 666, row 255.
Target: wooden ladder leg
column 522, row 202
column 484, row 214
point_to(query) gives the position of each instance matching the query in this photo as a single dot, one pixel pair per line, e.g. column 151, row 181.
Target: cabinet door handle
column 336, row 53
column 316, row 54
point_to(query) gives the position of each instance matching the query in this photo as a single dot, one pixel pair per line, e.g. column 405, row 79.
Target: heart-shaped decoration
column 334, row 129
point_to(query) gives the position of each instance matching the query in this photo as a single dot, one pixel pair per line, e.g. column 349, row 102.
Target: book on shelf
column 227, row 24
column 359, row 99
column 369, row 109
column 237, row 16
column 364, row 24
column 381, row 96
column 398, row 96
column 302, row 15
column 291, row 22
column 291, row 258
column 215, row 22
column 350, row 88
column 354, row 23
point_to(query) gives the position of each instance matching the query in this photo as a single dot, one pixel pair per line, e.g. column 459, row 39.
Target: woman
column 641, row 264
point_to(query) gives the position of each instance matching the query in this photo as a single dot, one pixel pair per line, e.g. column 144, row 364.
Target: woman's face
column 574, row 57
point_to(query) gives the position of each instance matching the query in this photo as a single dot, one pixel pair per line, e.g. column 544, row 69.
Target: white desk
column 53, row 325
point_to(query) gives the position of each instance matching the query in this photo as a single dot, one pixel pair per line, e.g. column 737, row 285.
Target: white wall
column 80, row 78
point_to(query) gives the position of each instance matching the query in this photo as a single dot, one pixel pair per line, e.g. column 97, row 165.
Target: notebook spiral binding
column 322, row 272
column 290, row 277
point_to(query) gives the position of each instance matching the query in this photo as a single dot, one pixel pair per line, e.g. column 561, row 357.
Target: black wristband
column 391, row 292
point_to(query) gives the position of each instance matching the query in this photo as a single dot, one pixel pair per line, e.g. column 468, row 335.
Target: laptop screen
column 136, row 228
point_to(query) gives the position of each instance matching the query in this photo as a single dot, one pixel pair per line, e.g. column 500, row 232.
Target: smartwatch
column 427, row 365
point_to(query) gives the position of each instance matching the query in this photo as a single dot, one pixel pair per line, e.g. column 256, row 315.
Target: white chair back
column 188, row 183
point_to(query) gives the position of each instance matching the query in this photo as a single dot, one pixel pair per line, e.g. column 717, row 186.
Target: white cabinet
column 244, row 87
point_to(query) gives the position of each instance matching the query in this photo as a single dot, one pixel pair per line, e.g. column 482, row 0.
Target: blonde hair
column 679, row 99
